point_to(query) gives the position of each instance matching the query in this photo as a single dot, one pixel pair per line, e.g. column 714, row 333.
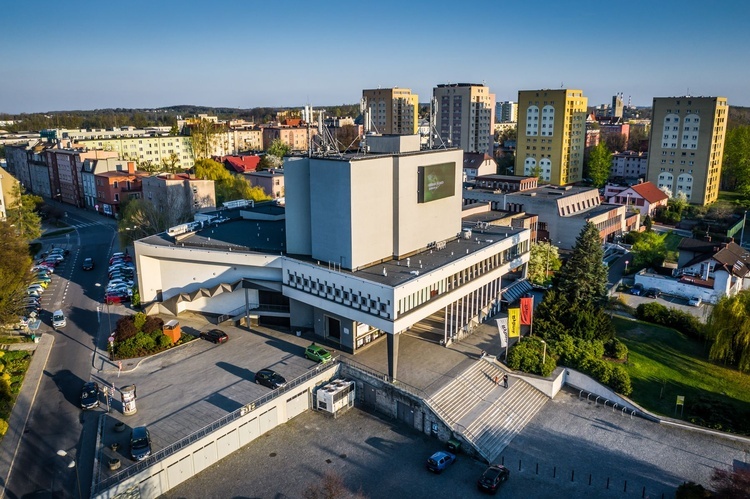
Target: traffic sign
column 111, row 339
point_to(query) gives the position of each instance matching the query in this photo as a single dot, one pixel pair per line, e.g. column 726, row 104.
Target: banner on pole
column 514, row 322
column 502, row 328
column 527, row 309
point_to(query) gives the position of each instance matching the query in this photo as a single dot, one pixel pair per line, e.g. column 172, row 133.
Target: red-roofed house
column 240, row 164
column 646, row 197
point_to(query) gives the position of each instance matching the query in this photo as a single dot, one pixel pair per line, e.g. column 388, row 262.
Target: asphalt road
column 56, row 421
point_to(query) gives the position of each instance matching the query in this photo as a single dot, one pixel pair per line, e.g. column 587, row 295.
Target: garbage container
column 454, row 445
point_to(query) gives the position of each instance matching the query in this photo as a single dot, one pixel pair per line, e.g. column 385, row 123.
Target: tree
column 614, row 141
column 279, row 148
column 649, row 250
column 22, row 214
column 228, row 187
column 599, row 164
column 583, row 278
column 170, row 164
column 638, row 139
column 735, row 170
column 729, row 328
column 204, row 135
column 14, row 275
column 140, row 218
column 731, row 484
column 544, row 258
column 648, row 223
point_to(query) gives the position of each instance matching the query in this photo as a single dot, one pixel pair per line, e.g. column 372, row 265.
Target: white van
column 58, row 319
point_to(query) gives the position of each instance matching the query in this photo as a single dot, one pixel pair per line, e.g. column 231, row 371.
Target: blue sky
column 249, row 53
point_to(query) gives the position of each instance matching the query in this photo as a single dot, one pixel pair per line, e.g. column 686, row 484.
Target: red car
column 116, row 297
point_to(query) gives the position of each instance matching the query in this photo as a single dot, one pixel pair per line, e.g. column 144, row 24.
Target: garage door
column 296, row 405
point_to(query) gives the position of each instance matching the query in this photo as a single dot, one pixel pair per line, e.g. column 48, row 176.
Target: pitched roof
column 475, row 159
column 734, row 258
column 649, row 192
column 242, row 164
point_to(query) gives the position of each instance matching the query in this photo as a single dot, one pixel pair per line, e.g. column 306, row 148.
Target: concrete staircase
column 487, row 415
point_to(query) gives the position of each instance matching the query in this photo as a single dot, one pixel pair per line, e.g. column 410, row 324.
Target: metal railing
column 206, row 430
column 253, row 306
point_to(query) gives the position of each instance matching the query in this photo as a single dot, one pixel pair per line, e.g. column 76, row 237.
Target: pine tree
column 583, row 278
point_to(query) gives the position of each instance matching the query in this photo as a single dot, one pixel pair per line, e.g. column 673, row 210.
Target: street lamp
column 72, row 464
column 544, row 352
column 626, row 266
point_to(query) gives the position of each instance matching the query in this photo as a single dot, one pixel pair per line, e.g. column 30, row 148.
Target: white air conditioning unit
column 336, row 397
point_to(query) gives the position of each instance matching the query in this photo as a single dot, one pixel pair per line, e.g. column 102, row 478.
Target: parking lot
column 185, row 389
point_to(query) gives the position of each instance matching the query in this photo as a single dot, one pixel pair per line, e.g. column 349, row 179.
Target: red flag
column 527, row 310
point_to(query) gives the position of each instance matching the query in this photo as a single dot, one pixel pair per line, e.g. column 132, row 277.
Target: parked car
column 50, row 269
column 90, row 395
column 40, row 282
column 120, row 257
column 58, row 319
column 33, row 292
column 52, row 262
column 88, row 264
column 270, row 378
column 317, row 353
column 60, row 251
column 116, row 297
column 113, row 283
column 695, row 301
column 36, row 287
column 637, row 290
column 215, row 335
column 492, row 478
column 439, row 461
column 653, row 293
column 55, row 256
column 140, row 443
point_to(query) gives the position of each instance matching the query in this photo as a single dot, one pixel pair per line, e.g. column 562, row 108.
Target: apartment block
column 466, row 116
column 686, row 146
column 507, row 111
column 146, row 149
column 391, row 111
column 551, row 135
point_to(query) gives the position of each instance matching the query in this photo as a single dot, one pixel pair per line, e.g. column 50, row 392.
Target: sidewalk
column 22, row 408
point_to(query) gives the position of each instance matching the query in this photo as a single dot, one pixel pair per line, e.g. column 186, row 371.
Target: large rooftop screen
column 436, row 182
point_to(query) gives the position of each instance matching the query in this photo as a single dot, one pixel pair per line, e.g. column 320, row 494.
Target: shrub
column 691, row 490
column 619, row 380
column 153, row 324
column 527, row 356
column 164, row 341
column 144, row 342
column 125, row 329
column 677, row 319
column 616, row 349
column 3, row 427
column 139, row 320
column 599, row 369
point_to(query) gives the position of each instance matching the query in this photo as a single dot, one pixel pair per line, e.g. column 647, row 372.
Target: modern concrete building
column 367, row 247
column 564, row 210
column 465, row 116
column 551, row 135
column 687, row 145
column 618, row 106
column 391, row 111
column 179, row 195
column 506, row 111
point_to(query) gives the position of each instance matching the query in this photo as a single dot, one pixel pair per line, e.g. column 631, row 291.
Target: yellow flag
column 514, row 322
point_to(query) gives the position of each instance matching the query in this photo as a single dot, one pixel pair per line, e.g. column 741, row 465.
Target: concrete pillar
column 393, row 355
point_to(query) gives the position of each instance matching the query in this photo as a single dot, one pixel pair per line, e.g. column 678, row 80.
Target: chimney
column 131, row 167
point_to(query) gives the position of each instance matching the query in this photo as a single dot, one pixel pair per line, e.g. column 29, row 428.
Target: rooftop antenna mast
column 308, row 115
column 433, row 125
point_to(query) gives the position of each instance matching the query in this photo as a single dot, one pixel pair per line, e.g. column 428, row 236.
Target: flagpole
column 531, row 320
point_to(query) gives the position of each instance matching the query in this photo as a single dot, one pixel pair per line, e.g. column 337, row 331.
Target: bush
column 527, row 356
column 619, row 380
column 153, row 324
column 3, row 427
column 125, row 329
column 139, row 320
column 676, row 319
column 691, row 490
column 164, row 341
column 616, row 349
column 599, row 369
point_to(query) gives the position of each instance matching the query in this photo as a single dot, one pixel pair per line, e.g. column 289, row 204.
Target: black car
column 492, row 478
column 140, row 443
column 269, row 378
column 215, row 335
column 653, row 293
column 90, row 395
column 88, row 264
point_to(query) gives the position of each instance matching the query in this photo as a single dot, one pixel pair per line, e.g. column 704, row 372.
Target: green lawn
column 664, row 363
column 671, row 242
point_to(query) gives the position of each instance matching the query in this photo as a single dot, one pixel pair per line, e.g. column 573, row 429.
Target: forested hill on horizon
column 167, row 116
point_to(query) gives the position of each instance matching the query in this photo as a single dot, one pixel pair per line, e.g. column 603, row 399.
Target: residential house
column 476, row 164
column 644, row 197
column 271, row 181
column 114, row 187
column 179, row 195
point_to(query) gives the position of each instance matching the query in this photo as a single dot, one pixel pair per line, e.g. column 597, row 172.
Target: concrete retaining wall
column 194, row 458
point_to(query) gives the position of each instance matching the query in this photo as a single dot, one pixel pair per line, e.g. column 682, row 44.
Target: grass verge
column 664, row 364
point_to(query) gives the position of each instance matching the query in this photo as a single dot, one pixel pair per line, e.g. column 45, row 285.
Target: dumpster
column 172, row 329
column 454, row 445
